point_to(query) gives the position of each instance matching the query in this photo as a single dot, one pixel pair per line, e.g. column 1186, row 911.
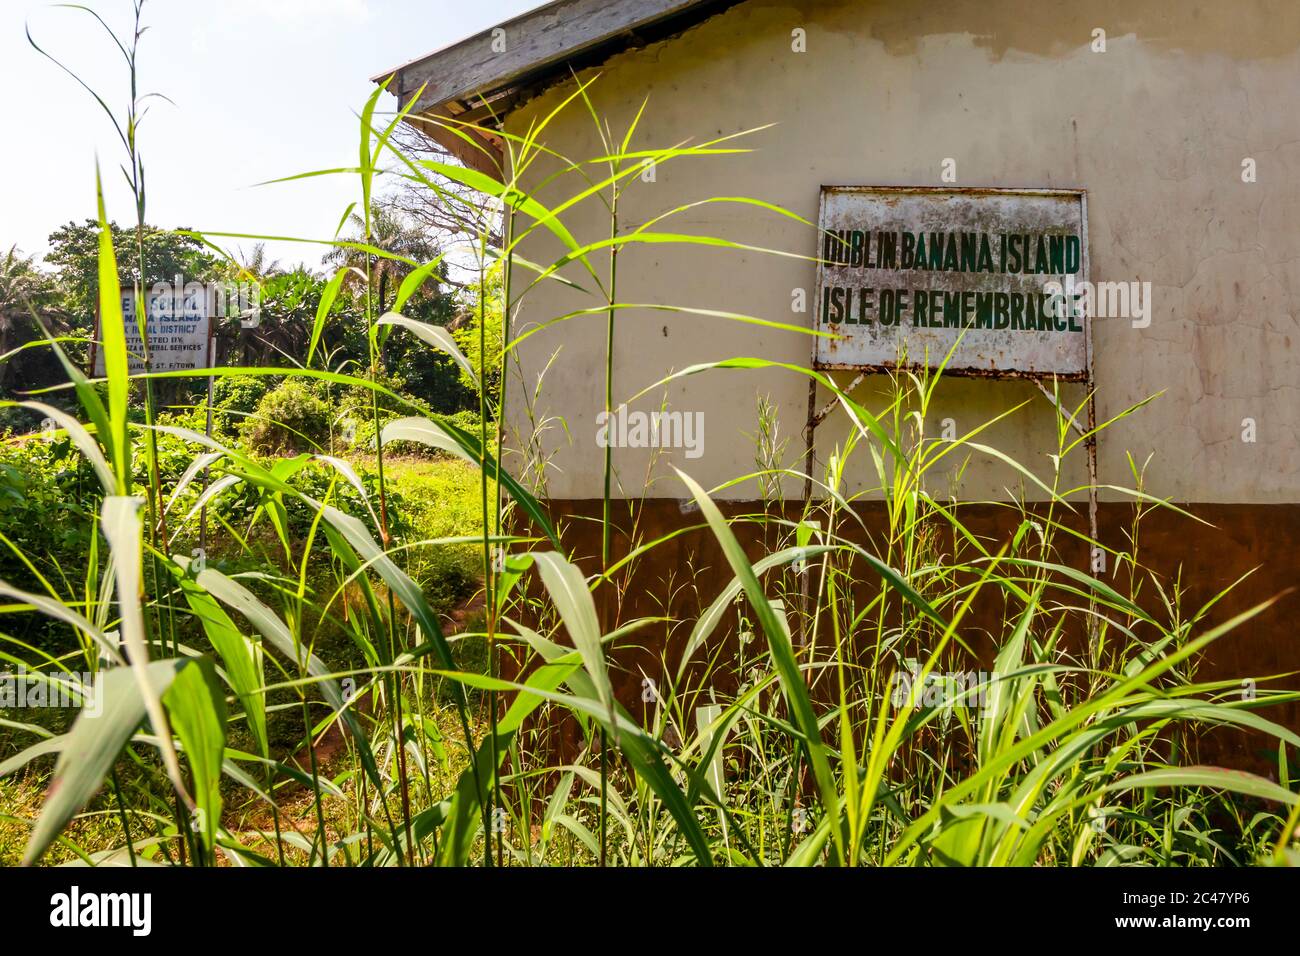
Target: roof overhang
column 478, row 81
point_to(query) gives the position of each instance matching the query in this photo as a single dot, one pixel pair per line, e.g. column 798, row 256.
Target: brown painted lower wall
column 683, row 574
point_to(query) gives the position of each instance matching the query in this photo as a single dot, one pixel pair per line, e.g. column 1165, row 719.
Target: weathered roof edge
column 478, row 81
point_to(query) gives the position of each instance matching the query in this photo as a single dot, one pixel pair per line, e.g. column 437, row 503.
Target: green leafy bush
column 235, row 398
column 293, row 417
column 46, row 520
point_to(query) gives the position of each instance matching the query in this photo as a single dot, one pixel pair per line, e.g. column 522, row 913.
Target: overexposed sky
column 262, row 89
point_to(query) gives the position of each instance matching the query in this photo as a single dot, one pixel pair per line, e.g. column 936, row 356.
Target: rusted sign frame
column 1086, row 377
column 1079, row 195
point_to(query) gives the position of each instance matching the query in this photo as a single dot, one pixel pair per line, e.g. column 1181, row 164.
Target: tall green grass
column 833, row 733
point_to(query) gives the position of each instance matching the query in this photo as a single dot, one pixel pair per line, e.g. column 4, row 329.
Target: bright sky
column 262, row 89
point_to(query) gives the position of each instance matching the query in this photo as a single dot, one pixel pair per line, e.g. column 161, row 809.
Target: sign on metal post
column 907, row 271
column 177, row 321
column 987, row 282
column 178, row 324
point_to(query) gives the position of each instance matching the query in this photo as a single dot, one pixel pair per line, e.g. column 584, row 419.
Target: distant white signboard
column 907, row 271
column 177, row 322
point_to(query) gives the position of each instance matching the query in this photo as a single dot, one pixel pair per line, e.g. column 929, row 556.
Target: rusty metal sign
column 909, row 274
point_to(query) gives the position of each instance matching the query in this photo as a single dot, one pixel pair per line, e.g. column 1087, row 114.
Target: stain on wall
column 1155, row 129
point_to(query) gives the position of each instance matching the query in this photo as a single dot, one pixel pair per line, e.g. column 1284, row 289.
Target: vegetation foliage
column 309, row 686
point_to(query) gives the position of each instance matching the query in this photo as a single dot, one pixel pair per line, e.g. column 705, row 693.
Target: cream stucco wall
column 1155, row 129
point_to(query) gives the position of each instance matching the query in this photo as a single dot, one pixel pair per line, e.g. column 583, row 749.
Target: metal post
column 207, row 430
column 1094, row 629
column 810, row 432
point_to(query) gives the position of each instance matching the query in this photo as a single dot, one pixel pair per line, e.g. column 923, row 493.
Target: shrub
column 235, row 397
column 19, row 421
column 291, row 418
column 47, row 502
column 469, row 422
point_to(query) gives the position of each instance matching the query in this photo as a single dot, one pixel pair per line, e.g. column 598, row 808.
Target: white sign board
column 905, row 272
column 177, row 326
